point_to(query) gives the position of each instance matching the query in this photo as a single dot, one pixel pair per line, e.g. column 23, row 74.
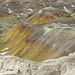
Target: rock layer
column 11, row 65
column 38, row 42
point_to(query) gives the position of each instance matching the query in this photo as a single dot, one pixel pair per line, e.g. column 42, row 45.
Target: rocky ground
column 11, row 65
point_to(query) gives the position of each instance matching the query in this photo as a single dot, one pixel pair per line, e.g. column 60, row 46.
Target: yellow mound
column 16, row 43
column 46, row 17
column 73, row 15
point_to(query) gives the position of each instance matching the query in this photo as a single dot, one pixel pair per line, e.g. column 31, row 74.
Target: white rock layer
column 11, row 65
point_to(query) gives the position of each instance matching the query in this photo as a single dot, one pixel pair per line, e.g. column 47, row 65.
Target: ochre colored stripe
column 44, row 18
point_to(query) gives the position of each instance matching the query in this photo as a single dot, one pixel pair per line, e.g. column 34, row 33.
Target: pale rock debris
column 12, row 65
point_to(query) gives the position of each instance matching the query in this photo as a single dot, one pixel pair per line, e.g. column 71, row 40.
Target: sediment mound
column 39, row 42
column 46, row 15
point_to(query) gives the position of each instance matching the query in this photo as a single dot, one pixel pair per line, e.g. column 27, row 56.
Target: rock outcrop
column 11, row 65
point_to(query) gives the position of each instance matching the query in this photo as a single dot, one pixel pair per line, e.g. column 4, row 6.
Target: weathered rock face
column 11, row 65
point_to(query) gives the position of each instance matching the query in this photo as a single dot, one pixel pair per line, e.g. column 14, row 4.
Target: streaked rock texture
column 47, row 34
column 39, row 42
column 11, row 65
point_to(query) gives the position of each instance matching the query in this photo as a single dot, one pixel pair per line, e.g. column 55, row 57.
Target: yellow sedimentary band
column 44, row 18
column 17, row 44
column 8, row 15
column 73, row 15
